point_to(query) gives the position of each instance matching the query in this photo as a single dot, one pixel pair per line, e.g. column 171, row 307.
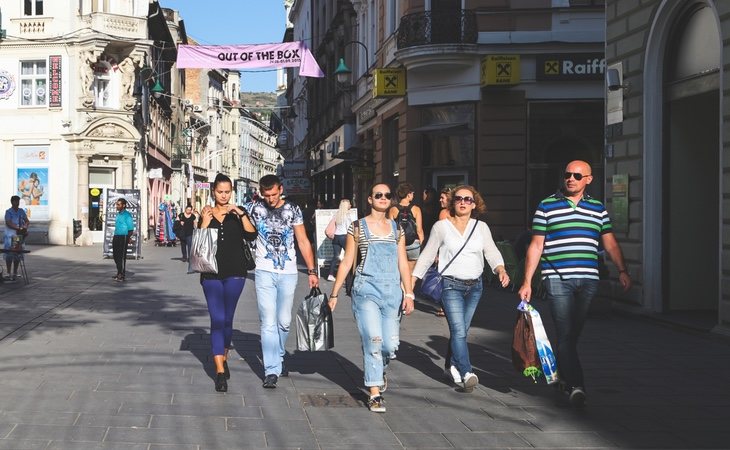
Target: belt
column 459, row 280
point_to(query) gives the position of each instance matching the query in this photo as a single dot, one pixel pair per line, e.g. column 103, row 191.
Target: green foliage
column 533, row 372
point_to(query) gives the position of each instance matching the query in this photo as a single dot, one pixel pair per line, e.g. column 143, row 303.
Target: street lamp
column 343, row 72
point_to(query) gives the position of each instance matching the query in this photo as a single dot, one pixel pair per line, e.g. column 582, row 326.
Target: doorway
column 100, row 181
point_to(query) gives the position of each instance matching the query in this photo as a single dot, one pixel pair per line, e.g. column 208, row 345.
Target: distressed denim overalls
column 376, row 301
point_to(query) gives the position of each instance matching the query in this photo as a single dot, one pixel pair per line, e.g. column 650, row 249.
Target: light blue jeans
column 570, row 301
column 460, row 300
column 275, row 297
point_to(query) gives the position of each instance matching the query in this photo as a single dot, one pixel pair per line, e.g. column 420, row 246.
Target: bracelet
column 333, row 296
column 312, row 271
column 411, row 296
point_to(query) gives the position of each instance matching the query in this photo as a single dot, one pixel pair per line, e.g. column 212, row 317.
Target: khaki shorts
column 413, row 251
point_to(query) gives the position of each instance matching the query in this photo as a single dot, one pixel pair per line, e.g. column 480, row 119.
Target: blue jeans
column 338, row 243
column 275, row 297
column 459, row 301
column 222, row 298
column 569, row 303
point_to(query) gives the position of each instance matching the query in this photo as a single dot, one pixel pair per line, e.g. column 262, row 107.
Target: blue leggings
column 222, row 297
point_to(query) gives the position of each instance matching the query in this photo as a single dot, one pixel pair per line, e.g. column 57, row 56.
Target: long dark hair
column 220, row 178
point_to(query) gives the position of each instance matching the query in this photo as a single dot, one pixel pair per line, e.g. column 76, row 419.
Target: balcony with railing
column 125, row 27
column 434, row 38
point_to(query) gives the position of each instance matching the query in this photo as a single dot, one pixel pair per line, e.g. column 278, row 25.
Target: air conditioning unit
column 197, row 108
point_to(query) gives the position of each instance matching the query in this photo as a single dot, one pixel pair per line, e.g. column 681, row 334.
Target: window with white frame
column 33, row 7
column 392, row 16
column 33, row 83
column 102, row 88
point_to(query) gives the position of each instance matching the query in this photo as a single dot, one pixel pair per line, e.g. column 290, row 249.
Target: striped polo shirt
column 572, row 234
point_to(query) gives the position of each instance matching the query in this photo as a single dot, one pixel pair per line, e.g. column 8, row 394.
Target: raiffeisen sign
column 570, row 66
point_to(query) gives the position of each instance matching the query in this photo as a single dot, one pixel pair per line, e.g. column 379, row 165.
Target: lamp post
column 343, row 72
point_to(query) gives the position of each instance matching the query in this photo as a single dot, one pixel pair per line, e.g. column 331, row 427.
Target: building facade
column 70, row 114
column 667, row 153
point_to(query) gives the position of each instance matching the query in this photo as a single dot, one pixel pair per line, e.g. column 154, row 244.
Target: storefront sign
column 389, row 82
column 570, row 66
column 199, row 185
column 620, row 202
column 296, row 186
column 500, row 70
column 54, row 81
column 155, row 173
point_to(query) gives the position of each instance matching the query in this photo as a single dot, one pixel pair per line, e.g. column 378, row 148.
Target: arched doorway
column 682, row 160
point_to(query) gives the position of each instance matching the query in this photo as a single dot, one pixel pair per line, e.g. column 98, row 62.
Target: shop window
column 448, row 136
column 33, row 7
column 561, row 132
column 33, row 83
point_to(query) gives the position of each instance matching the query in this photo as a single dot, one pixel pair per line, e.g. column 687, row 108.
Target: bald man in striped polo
column 567, row 228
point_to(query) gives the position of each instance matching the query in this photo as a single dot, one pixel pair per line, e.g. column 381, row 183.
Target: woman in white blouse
column 462, row 282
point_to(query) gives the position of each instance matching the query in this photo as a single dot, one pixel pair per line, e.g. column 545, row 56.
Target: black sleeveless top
column 229, row 256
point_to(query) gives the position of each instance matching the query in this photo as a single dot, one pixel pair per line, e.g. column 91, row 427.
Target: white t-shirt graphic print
column 275, row 250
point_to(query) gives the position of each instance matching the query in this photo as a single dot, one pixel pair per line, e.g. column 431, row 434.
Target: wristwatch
column 312, row 271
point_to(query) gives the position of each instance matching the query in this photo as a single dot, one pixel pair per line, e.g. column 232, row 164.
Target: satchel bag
column 203, row 250
column 249, row 262
column 330, row 230
column 431, row 283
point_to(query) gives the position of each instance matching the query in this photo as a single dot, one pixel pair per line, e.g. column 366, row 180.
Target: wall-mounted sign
column 389, row 82
column 54, row 81
column 155, row 173
column 199, row 185
column 570, row 66
column 500, row 70
column 7, row 84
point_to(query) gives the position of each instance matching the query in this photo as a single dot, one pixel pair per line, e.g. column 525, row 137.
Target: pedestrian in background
column 338, row 224
column 187, row 220
column 223, row 289
column 566, row 230
column 279, row 223
column 16, row 228
column 444, row 202
column 462, row 279
column 123, row 231
column 430, row 210
column 377, row 298
column 410, row 218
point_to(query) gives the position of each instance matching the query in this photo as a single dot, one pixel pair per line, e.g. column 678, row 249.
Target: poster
column 31, row 181
column 323, row 244
column 134, row 248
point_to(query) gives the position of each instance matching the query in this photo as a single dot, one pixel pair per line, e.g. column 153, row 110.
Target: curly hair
column 480, row 207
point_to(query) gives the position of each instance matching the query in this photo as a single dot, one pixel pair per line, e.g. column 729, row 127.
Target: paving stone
column 355, row 435
column 23, row 444
column 424, row 420
column 177, row 436
column 423, row 440
column 113, row 420
column 487, row 440
column 56, row 445
column 58, row 432
column 566, row 439
column 37, row 418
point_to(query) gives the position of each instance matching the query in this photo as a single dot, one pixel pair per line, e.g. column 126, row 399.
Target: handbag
column 431, row 283
column 203, row 250
column 330, row 230
column 315, row 326
column 249, row 262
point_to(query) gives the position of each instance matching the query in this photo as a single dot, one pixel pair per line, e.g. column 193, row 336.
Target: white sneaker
column 453, row 373
column 330, row 278
column 470, row 380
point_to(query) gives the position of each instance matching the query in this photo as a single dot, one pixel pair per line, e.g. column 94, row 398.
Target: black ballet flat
column 226, row 371
column 221, row 385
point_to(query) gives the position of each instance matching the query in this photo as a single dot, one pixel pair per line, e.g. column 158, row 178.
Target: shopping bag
column 431, row 286
column 315, row 327
column 203, row 250
column 532, row 354
column 330, row 230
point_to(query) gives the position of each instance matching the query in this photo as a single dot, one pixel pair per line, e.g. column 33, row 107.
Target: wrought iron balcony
column 438, row 27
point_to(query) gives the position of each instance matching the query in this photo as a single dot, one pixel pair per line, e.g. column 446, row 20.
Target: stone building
column 667, row 167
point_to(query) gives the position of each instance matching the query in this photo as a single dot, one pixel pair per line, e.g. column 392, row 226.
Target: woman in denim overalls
column 377, row 297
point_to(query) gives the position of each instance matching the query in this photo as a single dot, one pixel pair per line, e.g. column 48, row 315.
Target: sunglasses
column 379, row 195
column 467, row 200
column 576, row 175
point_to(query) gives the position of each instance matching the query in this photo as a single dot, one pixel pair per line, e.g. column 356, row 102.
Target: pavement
column 88, row 363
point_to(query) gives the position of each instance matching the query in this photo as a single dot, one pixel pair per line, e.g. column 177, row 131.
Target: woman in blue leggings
column 223, row 289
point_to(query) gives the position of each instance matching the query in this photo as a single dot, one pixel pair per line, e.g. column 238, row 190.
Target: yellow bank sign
column 500, row 70
column 389, row 82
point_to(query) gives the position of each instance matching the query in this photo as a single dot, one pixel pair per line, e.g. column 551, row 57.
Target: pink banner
column 257, row 56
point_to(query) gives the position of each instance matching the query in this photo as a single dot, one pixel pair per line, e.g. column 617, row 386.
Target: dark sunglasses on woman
column 379, row 195
column 467, row 200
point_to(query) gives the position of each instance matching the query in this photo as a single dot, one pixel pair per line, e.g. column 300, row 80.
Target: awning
column 441, row 128
column 353, row 153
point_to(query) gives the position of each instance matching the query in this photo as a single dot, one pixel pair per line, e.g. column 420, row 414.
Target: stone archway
column 682, row 98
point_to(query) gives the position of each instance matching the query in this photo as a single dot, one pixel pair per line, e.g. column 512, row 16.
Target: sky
column 230, row 22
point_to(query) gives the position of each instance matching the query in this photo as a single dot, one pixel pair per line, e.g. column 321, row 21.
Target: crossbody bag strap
column 356, row 233
column 462, row 248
